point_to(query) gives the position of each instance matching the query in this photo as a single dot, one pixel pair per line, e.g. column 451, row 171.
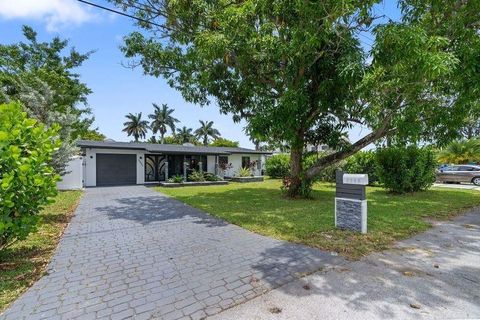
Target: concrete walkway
column 435, row 275
column 130, row 252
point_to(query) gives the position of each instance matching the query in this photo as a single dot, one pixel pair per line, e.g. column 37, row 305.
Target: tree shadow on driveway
column 156, row 209
column 435, row 274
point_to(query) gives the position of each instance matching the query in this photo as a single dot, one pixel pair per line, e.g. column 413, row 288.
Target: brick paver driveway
column 131, row 252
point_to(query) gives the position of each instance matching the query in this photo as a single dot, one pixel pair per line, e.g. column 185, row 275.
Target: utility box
column 351, row 201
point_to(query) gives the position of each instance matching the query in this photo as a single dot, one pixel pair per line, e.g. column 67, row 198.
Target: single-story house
column 109, row 163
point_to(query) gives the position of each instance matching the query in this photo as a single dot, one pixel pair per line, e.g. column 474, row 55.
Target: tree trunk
column 333, row 158
column 162, row 138
column 295, row 171
column 205, row 141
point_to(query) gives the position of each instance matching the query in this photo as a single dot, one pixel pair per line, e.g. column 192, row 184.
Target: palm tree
column 207, row 130
column 460, row 152
column 135, row 127
column 161, row 119
column 184, row 135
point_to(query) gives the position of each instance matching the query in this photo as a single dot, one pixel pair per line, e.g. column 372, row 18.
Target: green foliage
column 28, row 68
column 409, row 169
column 27, row 182
column 135, row 126
column 244, row 172
column 196, row 176
column 278, row 166
column 364, row 162
column 185, row 135
column 93, row 134
column 222, row 142
column 162, row 119
column 176, row 179
column 211, row 177
column 296, row 72
column 460, row 152
column 206, row 130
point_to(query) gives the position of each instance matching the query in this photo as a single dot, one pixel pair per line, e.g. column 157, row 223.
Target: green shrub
column 211, row 177
column 27, row 181
column 278, row 166
column 327, row 174
column 244, row 172
column 196, row 176
column 407, row 169
column 176, row 179
column 363, row 162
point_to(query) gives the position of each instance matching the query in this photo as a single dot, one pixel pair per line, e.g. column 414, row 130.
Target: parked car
column 459, row 173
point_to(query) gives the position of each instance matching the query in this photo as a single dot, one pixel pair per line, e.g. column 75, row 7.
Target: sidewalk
column 432, row 275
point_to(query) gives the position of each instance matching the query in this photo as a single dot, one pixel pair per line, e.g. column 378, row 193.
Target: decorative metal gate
column 155, row 167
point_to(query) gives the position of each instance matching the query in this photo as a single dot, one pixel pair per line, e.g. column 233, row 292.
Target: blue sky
column 117, row 90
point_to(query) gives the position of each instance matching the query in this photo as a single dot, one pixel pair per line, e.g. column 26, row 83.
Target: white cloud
column 55, row 13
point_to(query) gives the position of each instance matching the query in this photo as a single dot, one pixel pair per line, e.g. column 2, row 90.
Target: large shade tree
column 135, row 126
column 162, row 119
column 296, row 71
column 205, row 131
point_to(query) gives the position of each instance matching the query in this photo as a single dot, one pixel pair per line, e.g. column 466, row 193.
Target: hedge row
column 398, row 169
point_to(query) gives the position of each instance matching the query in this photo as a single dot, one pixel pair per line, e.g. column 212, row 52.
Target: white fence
column 73, row 179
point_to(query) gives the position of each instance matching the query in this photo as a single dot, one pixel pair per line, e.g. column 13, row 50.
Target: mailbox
column 360, row 179
column 351, row 201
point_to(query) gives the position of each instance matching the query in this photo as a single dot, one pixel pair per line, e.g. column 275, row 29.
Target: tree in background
column 222, row 142
column 290, row 69
column 27, row 181
column 185, row 135
column 93, row 134
column 206, row 130
column 162, row 119
column 135, row 126
column 472, row 128
column 40, row 76
column 460, row 152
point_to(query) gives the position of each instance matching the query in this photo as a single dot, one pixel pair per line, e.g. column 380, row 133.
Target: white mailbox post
column 351, row 201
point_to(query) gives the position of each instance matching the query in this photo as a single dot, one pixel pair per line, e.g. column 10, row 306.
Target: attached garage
column 116, row 169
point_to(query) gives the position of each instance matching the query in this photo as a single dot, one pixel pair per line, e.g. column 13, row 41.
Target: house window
column 223, row 159
column 245, row 162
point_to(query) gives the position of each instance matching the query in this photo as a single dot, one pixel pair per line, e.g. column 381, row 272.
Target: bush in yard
column 211, row 177
column 196, row 176
column 409, row 169
column 243, row 172
column 278, row 166
column 176, row 179
column 363, row 162
column 27, row 181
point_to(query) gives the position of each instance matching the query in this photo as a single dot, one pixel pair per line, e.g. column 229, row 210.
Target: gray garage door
column 116, row 169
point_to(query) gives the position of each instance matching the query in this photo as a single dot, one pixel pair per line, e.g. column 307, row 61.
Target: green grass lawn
column 24, row 262
column 260, row 207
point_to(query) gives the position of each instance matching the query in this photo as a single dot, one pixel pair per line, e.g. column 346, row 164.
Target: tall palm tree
column 161, row 119
column 207, row 130
column 184, row 135
column 460, row 152
column 135, row 127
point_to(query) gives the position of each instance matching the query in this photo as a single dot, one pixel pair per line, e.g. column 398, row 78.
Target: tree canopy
column 162, row 119
column 222, row 142
column 135, row 126
column 297, row 72
column 205, row 131
column 41, row 76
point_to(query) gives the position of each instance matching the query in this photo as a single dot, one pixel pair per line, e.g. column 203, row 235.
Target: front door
column 155, row 167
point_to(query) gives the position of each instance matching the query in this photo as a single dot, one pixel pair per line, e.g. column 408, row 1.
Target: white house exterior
column 108, row 163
